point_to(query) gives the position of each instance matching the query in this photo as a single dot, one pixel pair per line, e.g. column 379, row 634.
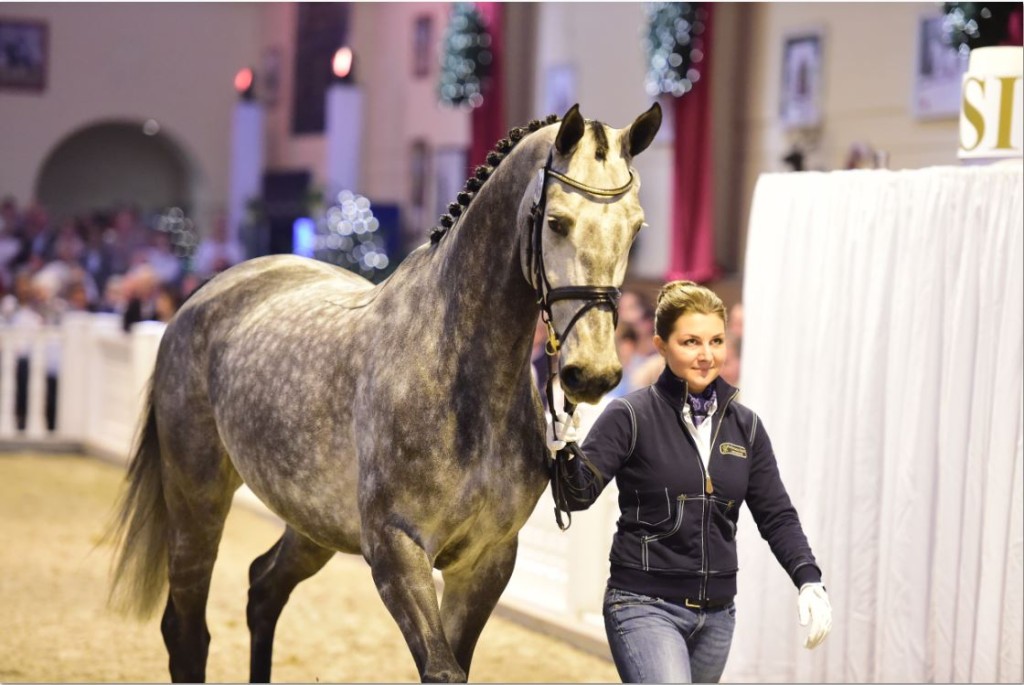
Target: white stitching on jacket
column 632, row 419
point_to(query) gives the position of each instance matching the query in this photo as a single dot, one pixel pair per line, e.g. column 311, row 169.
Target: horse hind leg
column 170, row 522
column 198, row 492
column 272, row 577
column 470, row 594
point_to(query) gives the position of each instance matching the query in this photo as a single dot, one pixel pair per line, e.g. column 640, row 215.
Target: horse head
column 577, row 221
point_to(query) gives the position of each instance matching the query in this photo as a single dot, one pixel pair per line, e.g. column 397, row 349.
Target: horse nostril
column 572, row 377
column 589, row 386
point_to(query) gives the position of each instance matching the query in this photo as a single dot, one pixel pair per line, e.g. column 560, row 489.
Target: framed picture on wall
column 422, row 36
column 938, row 72
column 450, row 174
column 800, row 96
column 270, row 75
column 419, row 163
column 23, row 54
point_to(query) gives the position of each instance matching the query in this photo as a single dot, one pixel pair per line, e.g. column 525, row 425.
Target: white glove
column 815, row 608
column 565, row 431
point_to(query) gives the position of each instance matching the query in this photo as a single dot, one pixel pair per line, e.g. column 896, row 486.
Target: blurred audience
column 733, row 345
column 108, row 260
column 635, row 342
column 116, row 261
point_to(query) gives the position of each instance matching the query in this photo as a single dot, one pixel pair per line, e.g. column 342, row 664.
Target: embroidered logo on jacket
column 733, row 450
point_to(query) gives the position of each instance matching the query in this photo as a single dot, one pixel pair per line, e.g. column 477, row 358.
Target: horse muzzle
column 589, row 384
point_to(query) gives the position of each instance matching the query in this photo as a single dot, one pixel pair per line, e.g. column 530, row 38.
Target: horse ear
column 643, row 130
column 571, row 130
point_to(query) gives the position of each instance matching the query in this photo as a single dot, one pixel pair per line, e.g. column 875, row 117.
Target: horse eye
column 559, row 226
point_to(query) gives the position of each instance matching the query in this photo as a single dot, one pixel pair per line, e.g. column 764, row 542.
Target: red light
column 243, row 80
column 342, row 62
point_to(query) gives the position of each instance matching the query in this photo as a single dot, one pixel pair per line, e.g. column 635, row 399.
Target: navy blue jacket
column 676, row 535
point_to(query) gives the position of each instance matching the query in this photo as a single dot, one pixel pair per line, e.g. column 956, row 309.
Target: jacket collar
column 674, row 390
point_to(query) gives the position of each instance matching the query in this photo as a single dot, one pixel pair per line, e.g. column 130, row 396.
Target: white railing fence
column 97, row 372
column 101, row 377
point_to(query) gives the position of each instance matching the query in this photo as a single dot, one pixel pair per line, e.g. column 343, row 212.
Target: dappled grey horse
column 396, row 421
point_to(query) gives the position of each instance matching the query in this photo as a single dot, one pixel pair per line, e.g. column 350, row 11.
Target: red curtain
column 1015, row 28
column 487, row 122
column 693, row 234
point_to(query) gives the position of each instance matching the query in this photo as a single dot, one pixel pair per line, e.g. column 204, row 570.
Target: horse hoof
column 444, row 676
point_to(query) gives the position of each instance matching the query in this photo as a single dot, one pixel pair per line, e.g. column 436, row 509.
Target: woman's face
column 695, row 351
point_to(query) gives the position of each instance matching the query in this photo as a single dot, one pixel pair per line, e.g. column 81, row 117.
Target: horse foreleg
column 470, row 595
column 272, row 577
column 402, row 573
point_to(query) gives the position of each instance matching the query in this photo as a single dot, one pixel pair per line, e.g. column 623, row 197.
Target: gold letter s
column 972, row 114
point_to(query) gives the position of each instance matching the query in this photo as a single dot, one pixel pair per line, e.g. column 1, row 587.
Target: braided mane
column 483, row 172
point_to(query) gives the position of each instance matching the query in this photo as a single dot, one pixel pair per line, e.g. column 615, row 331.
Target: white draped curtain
column 883, row 350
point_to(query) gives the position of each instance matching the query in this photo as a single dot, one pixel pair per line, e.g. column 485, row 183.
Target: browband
column 600, row 192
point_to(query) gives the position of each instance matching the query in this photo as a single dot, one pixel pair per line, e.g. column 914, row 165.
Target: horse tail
column 141, row 525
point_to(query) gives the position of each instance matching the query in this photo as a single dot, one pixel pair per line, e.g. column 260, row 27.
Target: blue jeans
column 655, row 641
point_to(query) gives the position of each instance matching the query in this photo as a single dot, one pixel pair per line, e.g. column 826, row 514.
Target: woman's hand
column 565, row 431
column 814, row 608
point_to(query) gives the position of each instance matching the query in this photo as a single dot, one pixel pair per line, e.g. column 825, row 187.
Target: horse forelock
column 600, row 141
column 598, row 160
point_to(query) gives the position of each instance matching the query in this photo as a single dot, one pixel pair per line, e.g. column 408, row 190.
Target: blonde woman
column 686, row 455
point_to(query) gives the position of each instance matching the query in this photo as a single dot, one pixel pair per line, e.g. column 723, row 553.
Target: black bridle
column 591, row 295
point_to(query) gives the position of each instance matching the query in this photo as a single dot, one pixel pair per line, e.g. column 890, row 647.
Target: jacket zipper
column 709, row 489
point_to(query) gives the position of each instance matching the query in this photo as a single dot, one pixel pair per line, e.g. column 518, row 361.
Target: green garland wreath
column 465, row 58
column 675, row 47
column 970, row 25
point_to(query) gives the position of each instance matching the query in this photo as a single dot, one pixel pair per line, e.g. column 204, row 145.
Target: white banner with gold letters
column 992, row 104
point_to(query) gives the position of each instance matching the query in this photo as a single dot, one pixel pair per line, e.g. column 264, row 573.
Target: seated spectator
column 731, row 367
column 125, row 240
column 636, row 312
column 166, row 302
column 217, row 251
column 626, row 344
column 141, row 287
column 733, row 345
column 97, row 257
column 115, row 297
column 736, row 320
column 37, row 238
column 25, row 313
column 10, row 242
column 160, row 256
column 190, row 283
column 76, row 298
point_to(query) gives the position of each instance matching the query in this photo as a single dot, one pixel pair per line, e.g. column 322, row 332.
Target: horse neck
column 487, row 293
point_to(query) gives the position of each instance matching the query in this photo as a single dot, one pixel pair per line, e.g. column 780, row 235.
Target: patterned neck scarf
column 700, row 404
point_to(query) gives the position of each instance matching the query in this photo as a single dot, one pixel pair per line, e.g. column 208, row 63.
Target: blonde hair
column 677, row 298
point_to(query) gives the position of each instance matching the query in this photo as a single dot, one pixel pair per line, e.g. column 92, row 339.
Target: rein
column 591, row 295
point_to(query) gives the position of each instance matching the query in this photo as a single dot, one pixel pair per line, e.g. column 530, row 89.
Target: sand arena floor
column 55, row 627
